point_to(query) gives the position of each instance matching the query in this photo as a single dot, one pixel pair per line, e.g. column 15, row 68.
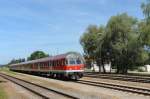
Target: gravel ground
column 81, row 90
column 14, row 91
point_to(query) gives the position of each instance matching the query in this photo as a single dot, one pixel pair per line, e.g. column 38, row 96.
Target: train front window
column 72, row 61
column 78, row 61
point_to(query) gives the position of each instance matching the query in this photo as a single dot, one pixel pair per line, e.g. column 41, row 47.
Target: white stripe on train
column 67, row 71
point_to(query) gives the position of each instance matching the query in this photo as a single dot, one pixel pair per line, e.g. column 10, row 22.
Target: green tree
column 124, row 41
column 145, row 24
column 144, row 28
column 14, row 61
column 102, row 49
column 119, row 30
column 89, row 41
column 146, row 11
column 37, row 55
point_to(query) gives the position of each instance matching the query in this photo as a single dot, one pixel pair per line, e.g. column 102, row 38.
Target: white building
column 107, row 67
column 147, row 68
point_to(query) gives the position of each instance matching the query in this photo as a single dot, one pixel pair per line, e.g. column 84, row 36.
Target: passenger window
column 60, row 63
column 57, row 62
column 49, row 63
column 54, row 63
column 63, row 62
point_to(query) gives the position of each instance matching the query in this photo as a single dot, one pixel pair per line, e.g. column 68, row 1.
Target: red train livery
column 69, row 65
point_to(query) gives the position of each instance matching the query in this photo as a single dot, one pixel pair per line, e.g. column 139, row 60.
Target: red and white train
column 69, row 65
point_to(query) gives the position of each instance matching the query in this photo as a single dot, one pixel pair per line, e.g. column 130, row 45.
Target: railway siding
column 120, row 87
column 131, row 78
column 117, row 82
column 45, row 93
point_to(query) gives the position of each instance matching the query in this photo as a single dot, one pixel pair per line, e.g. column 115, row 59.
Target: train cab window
column 72, row 61
column 78, row 61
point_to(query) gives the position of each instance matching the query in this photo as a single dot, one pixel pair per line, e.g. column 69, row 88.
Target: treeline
column 33, row 56
column 124, row 41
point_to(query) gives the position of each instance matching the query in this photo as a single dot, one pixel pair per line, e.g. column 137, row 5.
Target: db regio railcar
column 69, row 65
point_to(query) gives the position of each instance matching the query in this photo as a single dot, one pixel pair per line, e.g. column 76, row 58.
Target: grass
column 3, row 94
column 6, row 69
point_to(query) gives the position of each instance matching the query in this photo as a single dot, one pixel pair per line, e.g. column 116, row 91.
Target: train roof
column 61, row 56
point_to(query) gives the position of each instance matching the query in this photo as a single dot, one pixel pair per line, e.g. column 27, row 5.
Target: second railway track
column 125, row 88
column 43, row 92
column 141, row 79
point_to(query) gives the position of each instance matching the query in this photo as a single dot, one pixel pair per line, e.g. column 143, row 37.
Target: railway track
column 43, row 92
column 131, row 78
column 119, row 87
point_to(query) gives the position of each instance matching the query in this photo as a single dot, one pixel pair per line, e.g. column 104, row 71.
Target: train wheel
column 74, row 77
column 77, row 77
column 55, row 75
column 58, row 76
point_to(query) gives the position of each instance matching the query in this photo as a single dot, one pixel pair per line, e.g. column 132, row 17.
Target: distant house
column 95, row 67
column 107, row 67
column 147, row 68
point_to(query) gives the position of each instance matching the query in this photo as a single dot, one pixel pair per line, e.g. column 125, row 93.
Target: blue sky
column 54, row 26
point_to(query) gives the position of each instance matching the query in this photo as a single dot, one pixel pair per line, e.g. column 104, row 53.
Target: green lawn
column 5, row 69
column 3, row 94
